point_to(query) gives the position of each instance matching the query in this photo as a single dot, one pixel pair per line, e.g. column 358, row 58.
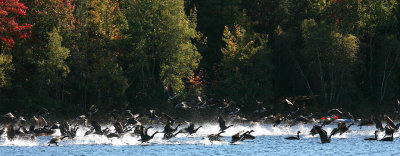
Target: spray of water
column 198, row 138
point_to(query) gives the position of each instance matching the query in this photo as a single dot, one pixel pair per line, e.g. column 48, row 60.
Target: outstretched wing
column 96, row 126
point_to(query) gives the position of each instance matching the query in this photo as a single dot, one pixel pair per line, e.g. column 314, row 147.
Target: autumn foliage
column 9, row 28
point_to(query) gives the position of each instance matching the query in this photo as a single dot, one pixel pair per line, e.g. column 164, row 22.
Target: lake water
column 270, row 141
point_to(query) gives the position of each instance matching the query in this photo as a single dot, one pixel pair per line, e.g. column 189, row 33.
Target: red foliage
column 9, row 28
column 196, row 81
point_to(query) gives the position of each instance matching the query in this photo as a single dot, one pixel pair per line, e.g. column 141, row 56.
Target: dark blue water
column 270, row 141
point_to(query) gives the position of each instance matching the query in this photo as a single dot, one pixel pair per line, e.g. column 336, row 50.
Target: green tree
column 6, row 69
column 161, row 50
column 53, row 69
column 331, row 57
column 96, row 76
column 245, row 66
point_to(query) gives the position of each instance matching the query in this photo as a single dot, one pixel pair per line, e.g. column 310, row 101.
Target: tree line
column 66, row 55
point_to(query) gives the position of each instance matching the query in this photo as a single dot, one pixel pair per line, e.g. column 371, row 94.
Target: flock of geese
column 124, row 122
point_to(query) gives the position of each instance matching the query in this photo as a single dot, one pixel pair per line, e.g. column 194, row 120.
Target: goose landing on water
column 387, row 138
column 376, row 137
column 237, row 137
column 247, row 135
column 56, row 140
column 222, row 124
column 146, row 137
column 215, row 137
column 293, row 137
column 190, row 129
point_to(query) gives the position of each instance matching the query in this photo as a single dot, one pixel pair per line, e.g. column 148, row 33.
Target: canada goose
column 389, row 130
column 132, row 121
column 10, row 131
column 334, row 111
column 342, row 128
column 301, row 118
column 378, row 124
column 128, row 114
column 56, row 125
column 153, row 116
column 116, row 115
column 247, row 135
column 143, row 130
column 390, row 138
column 222, row 124
column 334, row 131
column 375, row 138
column 91, row 131
column 97, row 128
column 190, row 129
column 168, row 118
column 314, row 130
column 294, row 138
column 215, row 137
column 72, row 131
column 194, row 130
column 389, row 121
column 113, row 135
column 349, row 116
column 9, row 116
column 44, row 132
column 328, row 121
column 40, row 121
column 369, row 122
column 118, row 128
column 168, row 136
column 138, row 129
column 145, row 137
column 289, row 103
column 396, row 106
column 169, row 129
column 182, row 105
column 2, row 131
column 322, row 134
column 345, row 128
column 64, row 128
column 82, row 119
column 56, row 140
column 278, row 119
column 237, row 137
column 93, row 109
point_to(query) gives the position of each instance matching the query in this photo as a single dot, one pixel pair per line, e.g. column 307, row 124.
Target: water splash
column 198, row 138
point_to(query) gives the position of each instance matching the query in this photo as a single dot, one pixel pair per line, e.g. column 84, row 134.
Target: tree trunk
column 371, row 88
column 321, row 76
column 306, row 81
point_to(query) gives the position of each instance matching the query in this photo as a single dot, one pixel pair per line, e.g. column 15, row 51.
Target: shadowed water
column 270, row 140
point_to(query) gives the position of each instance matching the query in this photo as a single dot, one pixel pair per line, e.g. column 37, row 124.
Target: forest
column 66, row 55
